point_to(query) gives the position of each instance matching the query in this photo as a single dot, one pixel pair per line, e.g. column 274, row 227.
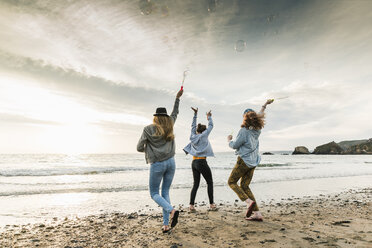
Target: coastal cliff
column 363, row 148
column 347, row 147
column 329, row 148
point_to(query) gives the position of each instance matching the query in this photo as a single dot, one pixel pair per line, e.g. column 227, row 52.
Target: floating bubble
column 146, row 7
column 211, row 5
column 164, row 11
column 270, row 18
column 240, row 45
column 165, row 39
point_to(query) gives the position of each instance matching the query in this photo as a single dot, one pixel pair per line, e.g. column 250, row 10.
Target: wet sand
column 337, row 220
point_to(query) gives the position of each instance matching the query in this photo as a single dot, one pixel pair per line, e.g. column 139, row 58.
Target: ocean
column 38, row 187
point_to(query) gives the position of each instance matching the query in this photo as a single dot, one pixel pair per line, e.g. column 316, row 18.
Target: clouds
column 105, row 65
column 108, row 39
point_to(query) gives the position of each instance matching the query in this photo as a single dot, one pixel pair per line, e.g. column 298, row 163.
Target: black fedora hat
column 161, row 112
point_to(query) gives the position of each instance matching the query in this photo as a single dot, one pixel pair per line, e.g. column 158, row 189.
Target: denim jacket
column 246, row 145
column 199, row 145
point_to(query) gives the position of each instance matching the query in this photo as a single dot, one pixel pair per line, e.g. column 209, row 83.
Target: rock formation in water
column 329, row 148
column 300, row 150
column 363, row 148
column 345, row 145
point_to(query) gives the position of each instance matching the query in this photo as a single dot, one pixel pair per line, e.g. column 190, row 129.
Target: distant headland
column 349, row 147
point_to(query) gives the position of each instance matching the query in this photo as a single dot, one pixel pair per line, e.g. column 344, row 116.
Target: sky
column 85, row 76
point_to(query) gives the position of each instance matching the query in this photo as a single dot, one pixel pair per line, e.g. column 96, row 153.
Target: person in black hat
column 157, row 142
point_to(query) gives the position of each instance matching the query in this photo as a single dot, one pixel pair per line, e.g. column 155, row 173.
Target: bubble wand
column 284, row 97
column 280, row 98
column 184, row 76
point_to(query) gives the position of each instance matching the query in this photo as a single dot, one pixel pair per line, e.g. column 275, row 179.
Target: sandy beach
column 336, row 220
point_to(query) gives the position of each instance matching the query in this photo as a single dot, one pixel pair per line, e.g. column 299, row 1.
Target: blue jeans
column 159, row 171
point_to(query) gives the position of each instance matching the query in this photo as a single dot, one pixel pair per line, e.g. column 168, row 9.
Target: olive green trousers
column 244, row 173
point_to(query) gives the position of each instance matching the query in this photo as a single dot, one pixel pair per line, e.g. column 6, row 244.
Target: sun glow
column 67, row 126
column 73, row 138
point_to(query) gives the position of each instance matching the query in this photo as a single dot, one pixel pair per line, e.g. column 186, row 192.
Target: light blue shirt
column 199, row 145
column 246, row 145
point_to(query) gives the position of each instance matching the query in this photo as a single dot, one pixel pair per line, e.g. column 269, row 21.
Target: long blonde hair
column 164, row 127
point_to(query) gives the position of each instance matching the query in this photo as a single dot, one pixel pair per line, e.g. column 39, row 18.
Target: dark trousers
column 200, row 166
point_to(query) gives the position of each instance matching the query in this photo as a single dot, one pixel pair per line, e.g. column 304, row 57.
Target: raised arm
column 176, row 105
column 210, row 124
column 193, row 124
column 269, row 101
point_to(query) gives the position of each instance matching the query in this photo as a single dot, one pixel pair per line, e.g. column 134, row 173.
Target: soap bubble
column 164, row 10
column 240, row 45
column 211, row 5
column 146, row 7
column 165, row 39
column 270, row 18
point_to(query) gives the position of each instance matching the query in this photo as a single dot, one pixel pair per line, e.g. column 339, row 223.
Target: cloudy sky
column 85, row 76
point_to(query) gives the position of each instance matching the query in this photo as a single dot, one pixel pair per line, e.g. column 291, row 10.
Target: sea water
column 38, row 187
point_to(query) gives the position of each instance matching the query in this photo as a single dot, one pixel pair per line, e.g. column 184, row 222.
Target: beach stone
column 132, row 216
column 267, row 240
column 341, row 223
column 309, row 239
